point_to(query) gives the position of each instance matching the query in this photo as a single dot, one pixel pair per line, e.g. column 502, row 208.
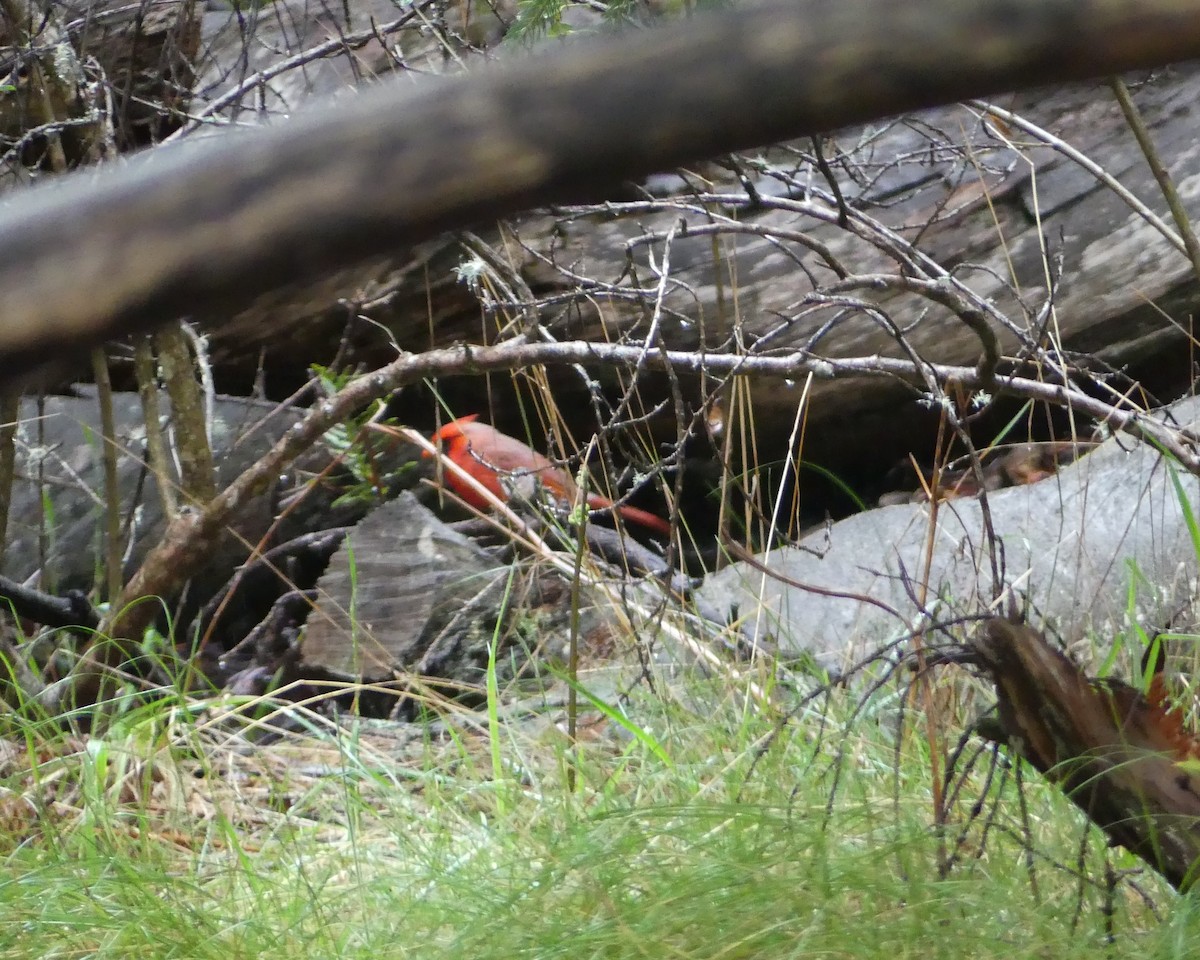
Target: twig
column 1087, row 163
column 1178, row 211
column 112, row 488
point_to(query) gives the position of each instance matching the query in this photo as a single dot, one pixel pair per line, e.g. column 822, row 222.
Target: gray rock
column 1071, row 546
column 60, row 484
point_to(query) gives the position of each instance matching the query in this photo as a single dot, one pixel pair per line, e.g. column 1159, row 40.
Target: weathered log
column 512, row 138
column 946, row 179
column 1112, row 751
column 262, row 64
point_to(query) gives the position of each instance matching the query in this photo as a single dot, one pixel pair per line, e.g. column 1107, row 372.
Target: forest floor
column 684, row 822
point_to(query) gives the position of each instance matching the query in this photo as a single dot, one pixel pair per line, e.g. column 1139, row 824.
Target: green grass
column 171, row 839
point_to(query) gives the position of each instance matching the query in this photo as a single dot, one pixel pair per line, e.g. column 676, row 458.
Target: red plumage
column 486, row 454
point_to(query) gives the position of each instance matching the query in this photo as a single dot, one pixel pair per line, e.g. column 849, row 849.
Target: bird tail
column 642, row 518
column 646, row 519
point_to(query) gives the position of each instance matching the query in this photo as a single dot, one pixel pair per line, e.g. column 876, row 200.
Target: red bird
column 487, row 454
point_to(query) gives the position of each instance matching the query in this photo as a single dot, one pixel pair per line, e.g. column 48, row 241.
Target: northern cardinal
column 487, row 454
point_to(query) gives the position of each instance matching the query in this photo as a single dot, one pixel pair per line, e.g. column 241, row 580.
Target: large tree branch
column 204, row 230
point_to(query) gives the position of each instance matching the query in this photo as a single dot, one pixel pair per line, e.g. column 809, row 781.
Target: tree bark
column 1104, row 744
column 206, row 230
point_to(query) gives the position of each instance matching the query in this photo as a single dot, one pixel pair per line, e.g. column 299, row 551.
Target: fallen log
column 1116, row 754
column 503, row 140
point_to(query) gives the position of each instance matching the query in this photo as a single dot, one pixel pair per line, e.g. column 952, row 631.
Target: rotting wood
column 1118, row 756
column 502, row 140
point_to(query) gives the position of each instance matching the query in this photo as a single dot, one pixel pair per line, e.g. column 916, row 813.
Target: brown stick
column 1111, row 750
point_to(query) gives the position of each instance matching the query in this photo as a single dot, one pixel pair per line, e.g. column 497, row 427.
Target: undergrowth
column 737, row 837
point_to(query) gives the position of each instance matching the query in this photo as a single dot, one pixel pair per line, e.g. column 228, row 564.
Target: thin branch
column 1174, row 202
column 1087, row 163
